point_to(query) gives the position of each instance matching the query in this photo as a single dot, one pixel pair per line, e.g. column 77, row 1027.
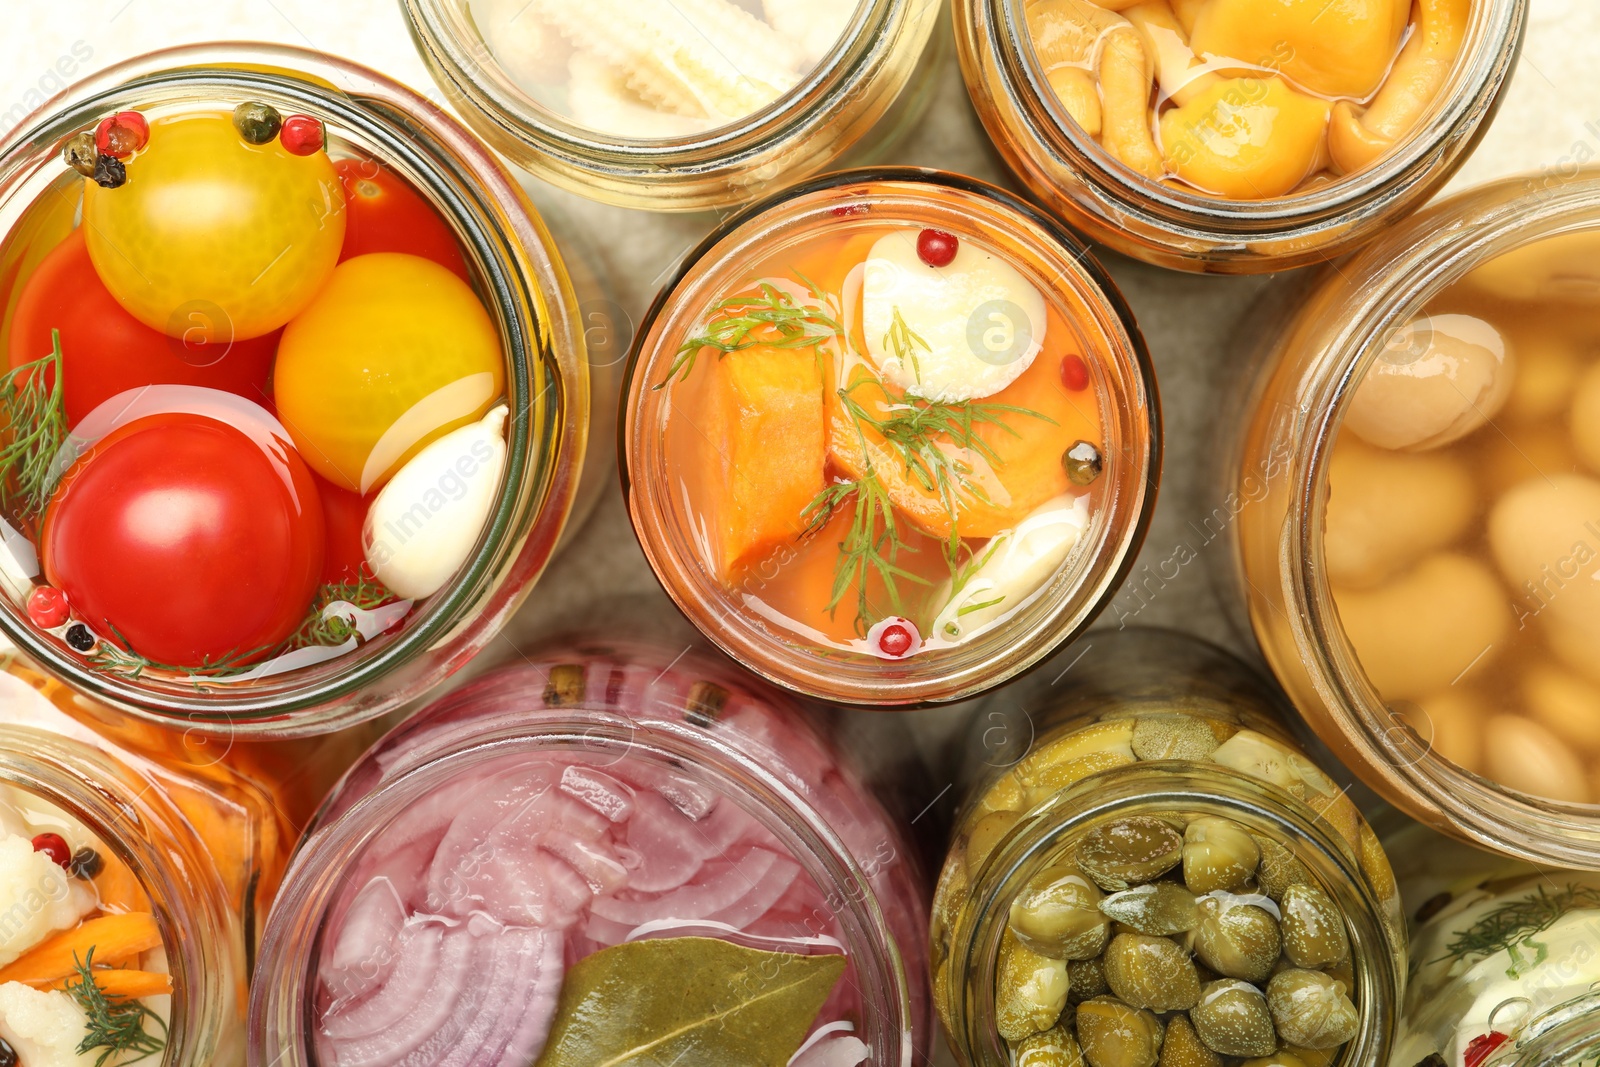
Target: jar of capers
column 1148, row 872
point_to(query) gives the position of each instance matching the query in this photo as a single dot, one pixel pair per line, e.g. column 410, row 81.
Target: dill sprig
column 870, row 546
column 903, row 341
column 739, row 322
column 116, row 1025
column 121, row 659
column 1513, row 927
column 365, row 593
column 35, row 423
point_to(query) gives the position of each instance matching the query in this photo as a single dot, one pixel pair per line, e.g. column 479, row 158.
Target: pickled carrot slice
column 116, row 982
column 120, row 891
column 114, row 938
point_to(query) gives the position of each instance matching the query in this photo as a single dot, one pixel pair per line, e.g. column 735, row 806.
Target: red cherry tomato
column 106, row 351
column 384, row 214
column 185, row 537
column 344, row 513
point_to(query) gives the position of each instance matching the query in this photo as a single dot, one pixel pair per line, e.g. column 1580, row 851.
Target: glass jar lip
column 311, row 886
column 1411, row 265
column 484, row 93
column 529, row 295
column 116, row 804
column 1469, row 100
column 1069, row 614
column 1156, row 786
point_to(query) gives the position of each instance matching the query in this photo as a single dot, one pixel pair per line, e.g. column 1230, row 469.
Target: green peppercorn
column 80, row 154
column 1082, row 463
column 257, row 123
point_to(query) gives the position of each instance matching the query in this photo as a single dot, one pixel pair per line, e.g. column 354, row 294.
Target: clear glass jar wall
column 1423, row 492
column 417, row 503
column 602, row 851
column 1147, row 866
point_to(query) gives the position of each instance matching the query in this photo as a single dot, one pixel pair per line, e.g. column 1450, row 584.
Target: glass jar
column 1174, row 225
column 172, row 867
column 1153, row 752
column 860, row 513
column 1474, row 749
column 502, row 66
column 690, row 813
column 1505, row 957
column 375, row 652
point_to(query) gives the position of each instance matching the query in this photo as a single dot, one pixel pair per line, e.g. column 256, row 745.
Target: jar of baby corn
column 1235, row 136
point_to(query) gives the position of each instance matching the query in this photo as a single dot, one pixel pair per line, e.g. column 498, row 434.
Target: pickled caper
column 1218, row 854
column 1114, row 1034
column 1173, row 737
column 1160, row 908
column 1130, row 851
column 1151, row 972
column 1232, row 1019
column 986, row 834
column 1030, row 990
column 1236, row 939
column 1310, row 1009
column 1053, row 1048
column 1279, row 868
column 1311, row 1057
column 1182, row 1047
column 1281, row 1058
column 1086, row 979
column 1313, row 928
column 1058, row 915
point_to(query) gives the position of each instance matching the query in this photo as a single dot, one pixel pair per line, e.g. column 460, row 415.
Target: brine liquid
column 1464, row 555
column 757, row 439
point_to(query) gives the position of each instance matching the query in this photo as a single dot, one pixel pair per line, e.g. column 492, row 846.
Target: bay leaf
column 688, row 1000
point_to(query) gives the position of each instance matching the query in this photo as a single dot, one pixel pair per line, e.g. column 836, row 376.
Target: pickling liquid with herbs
column 255, row 412
column 654, row 68
column 1463, row 522
column 887, row 438
column 573, row 904
column 1247, row 99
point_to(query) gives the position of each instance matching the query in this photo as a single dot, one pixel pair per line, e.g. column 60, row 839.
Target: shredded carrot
column 114, row 982
column 114, row 938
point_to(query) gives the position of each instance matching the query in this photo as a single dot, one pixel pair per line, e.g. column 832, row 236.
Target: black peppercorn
column 86, row 863
column 79, row 637
column 8, row 1055
column 109, row 173
column 256, row 122
column 1082, row 463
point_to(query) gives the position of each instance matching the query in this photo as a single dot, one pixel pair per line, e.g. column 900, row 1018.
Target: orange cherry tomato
column 106, row 351
column 384, row 214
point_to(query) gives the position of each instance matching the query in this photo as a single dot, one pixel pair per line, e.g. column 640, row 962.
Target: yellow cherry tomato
column 393, row 353
column 214, row 238
column 1246, row 138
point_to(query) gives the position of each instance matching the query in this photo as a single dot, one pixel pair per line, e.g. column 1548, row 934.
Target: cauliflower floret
column 36, row 898
column 45, row 1028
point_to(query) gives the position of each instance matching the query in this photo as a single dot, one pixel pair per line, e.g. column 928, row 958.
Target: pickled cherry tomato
column 344, row 513
column 384, row 214
column 181, row 535
column 106, row 351
column 394, row 352
column 214, row 237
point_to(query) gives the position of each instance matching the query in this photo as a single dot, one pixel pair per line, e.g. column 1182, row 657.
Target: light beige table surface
column 1550, row 119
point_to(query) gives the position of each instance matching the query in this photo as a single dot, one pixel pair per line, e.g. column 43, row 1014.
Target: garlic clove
column 1013, row 566
column 426, row 521
column 952, row 333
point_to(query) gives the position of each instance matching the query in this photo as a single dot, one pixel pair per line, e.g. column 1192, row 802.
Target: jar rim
column 313, row 883
column 1409, row 267
column 1166, row 786
column 1054, row 617
column 1312, row 226
column 596, row 164
column 528, row 294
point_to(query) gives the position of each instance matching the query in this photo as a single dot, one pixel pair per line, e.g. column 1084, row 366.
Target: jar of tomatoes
column 674, row 106
column 1237, row 136
column 1506, row 957
column 1148, row 870
column 608, row 853
column 130, row 892
column 296, row 399
column 890, row 438
column 1421, row 537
